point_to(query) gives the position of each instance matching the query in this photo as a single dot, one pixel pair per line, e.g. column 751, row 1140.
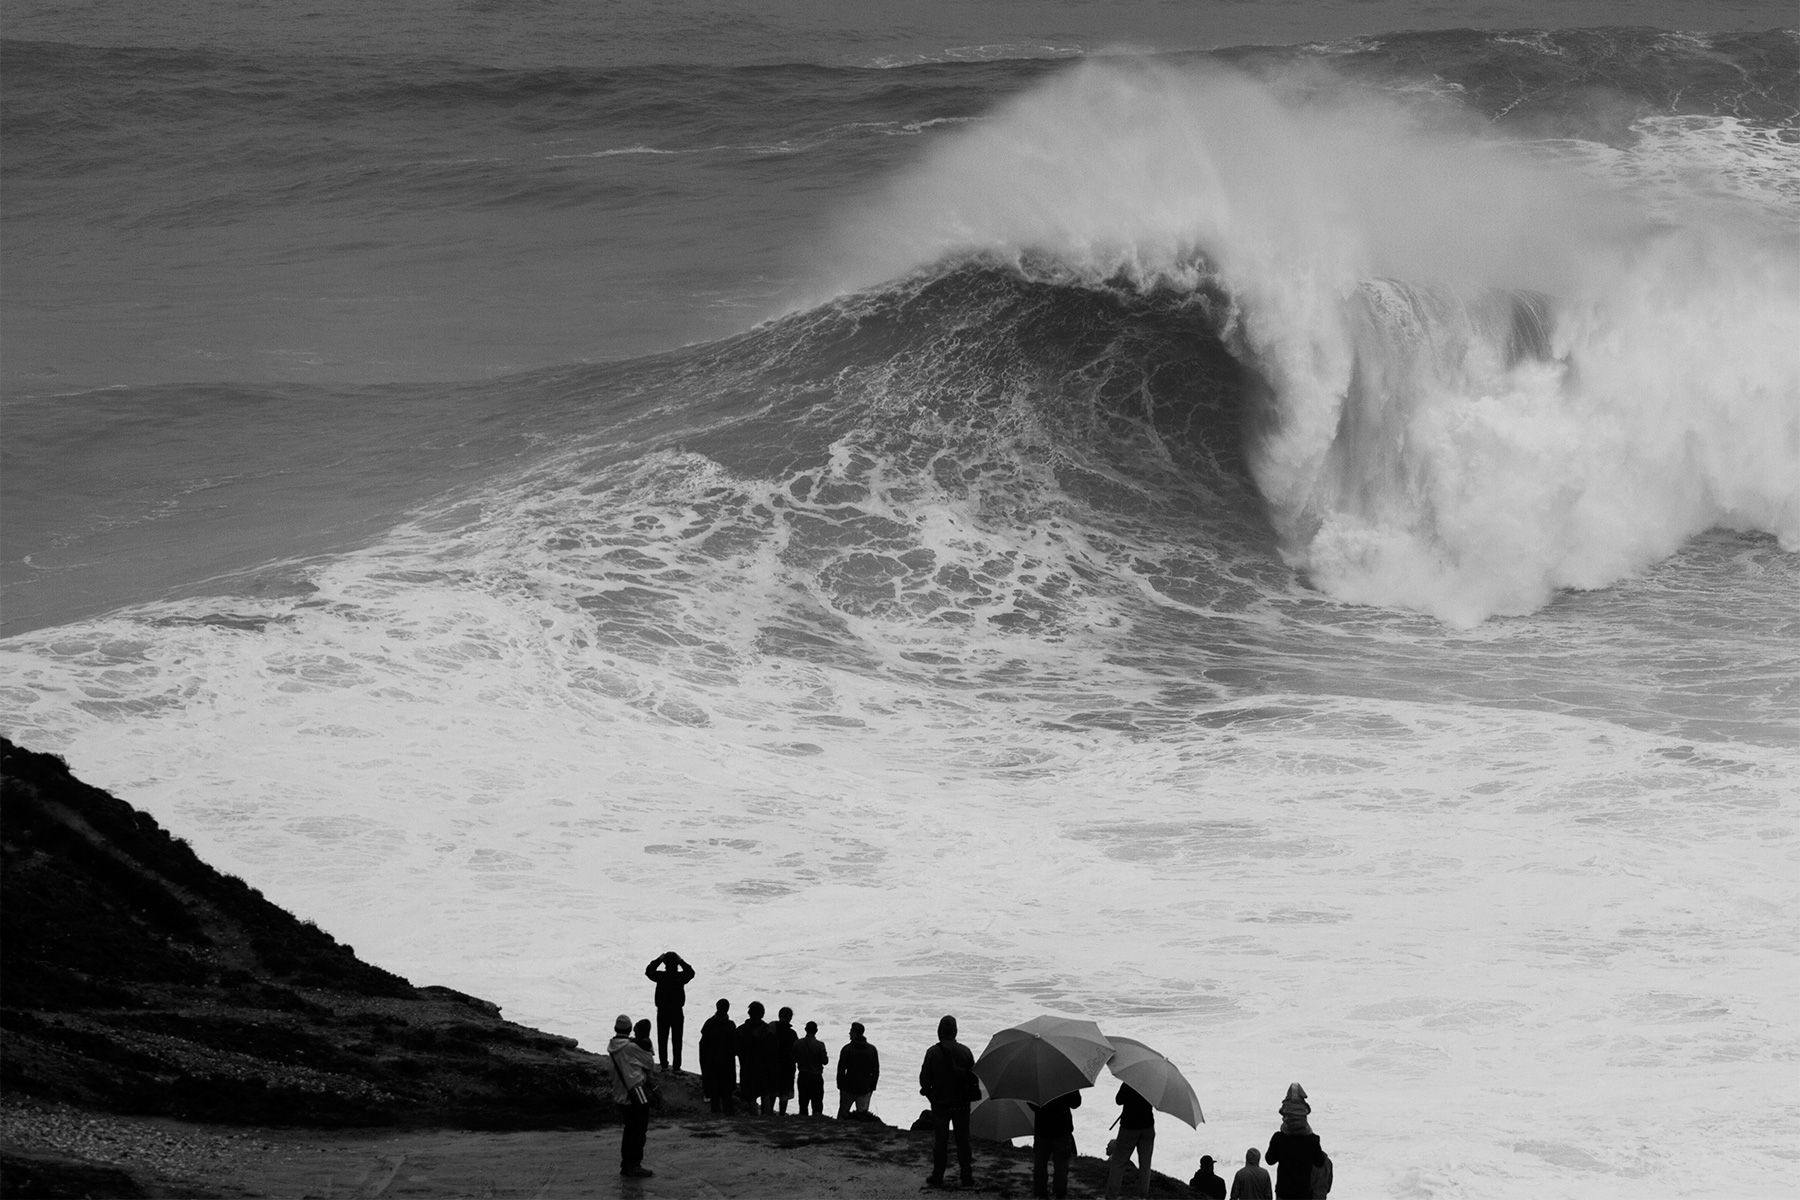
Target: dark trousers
column 719, row 1088
column 1048, row 1152
column 668, row 1024
column 945, row 1115
column 636, row 1130
column 812, row 1091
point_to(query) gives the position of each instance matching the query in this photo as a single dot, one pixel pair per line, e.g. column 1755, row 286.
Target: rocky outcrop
column 135, row 978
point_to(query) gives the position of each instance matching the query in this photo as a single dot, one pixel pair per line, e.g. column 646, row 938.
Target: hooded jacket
column 631, row 1065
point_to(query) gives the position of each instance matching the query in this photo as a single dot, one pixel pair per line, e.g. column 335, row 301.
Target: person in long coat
column 785, row 1040
column 756, row 1060
column 718, row 1058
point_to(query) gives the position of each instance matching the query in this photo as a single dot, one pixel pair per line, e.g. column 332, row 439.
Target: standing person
column 1053, row 1143
column 718, row 1058
column 1295, row 1148
column 947, row 1079
column 671, row 975
column 1206, row 1182
column 1137, row 1131
column 810, row 1057
column 756, row 1067
column 785, row 1039
column 859, row 1070
column 640, row 1033
column 1252, row 1182
column 631, row 1065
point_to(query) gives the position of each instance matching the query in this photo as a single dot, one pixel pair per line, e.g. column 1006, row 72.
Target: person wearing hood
column 718, row 1059
column 1252, row 1182
column 947, row 1079
column 631, row 1066
column 1295, row 1148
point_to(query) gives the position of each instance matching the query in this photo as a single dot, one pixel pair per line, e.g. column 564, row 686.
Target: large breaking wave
column 1491, row 369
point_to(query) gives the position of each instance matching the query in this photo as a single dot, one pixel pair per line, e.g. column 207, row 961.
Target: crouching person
column 631, row 1065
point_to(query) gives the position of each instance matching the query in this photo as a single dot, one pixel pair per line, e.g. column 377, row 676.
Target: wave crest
column 1493, row 374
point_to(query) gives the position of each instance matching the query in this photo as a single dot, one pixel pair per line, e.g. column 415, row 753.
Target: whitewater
column 1286, row 551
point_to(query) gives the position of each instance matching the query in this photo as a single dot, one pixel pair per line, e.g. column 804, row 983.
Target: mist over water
column 1286, row 552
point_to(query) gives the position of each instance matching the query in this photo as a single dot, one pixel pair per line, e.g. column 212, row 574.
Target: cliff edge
column 134, row 978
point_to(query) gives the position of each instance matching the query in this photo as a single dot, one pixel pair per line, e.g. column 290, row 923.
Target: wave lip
column 1492, row 375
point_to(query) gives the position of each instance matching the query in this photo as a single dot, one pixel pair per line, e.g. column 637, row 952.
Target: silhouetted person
column 810, row 1057
column 640, row 1033
column 671, row 975
column 1137, row 1131
column 756, row 1061
column 1252, row 1182
column 631, row 1065
column 947, row 1079
column 1294, row 1149
column 718, row 1058
column 858, row 1073
column 1052, row 1143
column 1206, row 1182
column 785, row 1039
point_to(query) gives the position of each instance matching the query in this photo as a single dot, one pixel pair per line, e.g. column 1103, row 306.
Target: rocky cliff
column 137, row 979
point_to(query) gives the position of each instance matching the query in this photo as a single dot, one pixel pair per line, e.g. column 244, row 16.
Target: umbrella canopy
column 1156, row 1079
column 1043, row 1058
column 1001, row 1120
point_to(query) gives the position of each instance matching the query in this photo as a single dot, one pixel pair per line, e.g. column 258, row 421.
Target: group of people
column 1303, row 1169
column 764, row 1065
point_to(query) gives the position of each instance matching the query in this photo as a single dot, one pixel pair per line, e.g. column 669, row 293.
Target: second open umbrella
column 1042, row 1058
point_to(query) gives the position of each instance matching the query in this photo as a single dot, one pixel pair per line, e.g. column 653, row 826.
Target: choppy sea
column 1269, row 526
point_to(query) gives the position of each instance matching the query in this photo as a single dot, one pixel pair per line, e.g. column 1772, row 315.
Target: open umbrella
column 1156, row 1079
column 1043, row 1058
column 1001, row 1120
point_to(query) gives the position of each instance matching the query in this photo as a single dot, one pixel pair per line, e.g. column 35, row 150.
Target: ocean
column 1269, row 526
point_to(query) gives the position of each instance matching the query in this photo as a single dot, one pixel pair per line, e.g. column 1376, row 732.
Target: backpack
column 1321, row 1177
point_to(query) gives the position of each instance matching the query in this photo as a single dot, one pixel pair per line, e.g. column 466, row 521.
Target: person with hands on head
column 671, row 974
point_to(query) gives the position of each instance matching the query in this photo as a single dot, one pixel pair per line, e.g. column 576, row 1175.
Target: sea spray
column 1413, row 456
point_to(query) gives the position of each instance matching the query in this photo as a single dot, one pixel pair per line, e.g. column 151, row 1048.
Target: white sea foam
column 1415, row 909
column 1665, row 401
column 524, row 743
